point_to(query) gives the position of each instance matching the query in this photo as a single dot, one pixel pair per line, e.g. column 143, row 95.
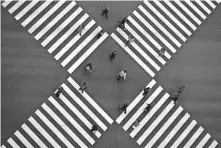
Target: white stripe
column 188, row 12
column 134, row 103
column 165, row 21
column 184, row 134
column 23, row 139
column 180, row 14
column 68, row 33
column 91, row 101
column 138, row 48
column 16, row 6
column 154, row 32
column 211, row 3
column 36, row 12
column 55, row 20
column 46, row 16
column 54, row 129
column 64, row 126
column 138, row 60
column 81, row 46
column 149, row 115
column 203, row 6
column 3, row 146
column 218, row 1
column 13, row 143
column 203, row 141
column 63, row 25
column 149, row 16
column 43, row 132
column 213, row 144
column 165, row 126
column 78, row 114
column 194, row 137
column 72, row 121
column 33, row 136
column 26, row 9
column 87, row 53
column 155, row 123
column 173, row 18
column 141, row 109
column 195, row 9
column 84, row 107
column 73, row 41
column 6, row 3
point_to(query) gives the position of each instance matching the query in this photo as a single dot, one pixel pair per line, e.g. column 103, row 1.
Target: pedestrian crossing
column 55, row 25
column 63, row 122
column 161, row 24
column 165, row 125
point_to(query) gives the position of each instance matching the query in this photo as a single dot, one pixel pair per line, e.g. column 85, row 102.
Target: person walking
column 130, row 40
column 88, row 68
column 94, row 129
column 147, row 108
column 146, row 91
column 100, row 34
column 122, row 75
column 181, row 89
column 162, row 52
column 60, row 89
column 124, row 108
column 83, row 87
column 175, row 98
column 112, row 55
column 121, row 23
column 80, row 29
column 136, row 123
column 105, row 12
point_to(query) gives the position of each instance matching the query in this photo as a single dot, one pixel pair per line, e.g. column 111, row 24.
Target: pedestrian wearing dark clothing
column 121, row 24
column 146, row 91
column 87, row 68
column 181, row 88
column 112, row 55
column 60, row 89
column 147, row 108
column 136, row 123
column 83, row 87
column 80, row 29
column 124, row 108
column 94, row 128
column 175, row 98
column 100, row 34
column 105, row 12
column 130, row 40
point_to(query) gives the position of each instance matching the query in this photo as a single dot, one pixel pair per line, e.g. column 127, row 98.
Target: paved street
column 41, row 50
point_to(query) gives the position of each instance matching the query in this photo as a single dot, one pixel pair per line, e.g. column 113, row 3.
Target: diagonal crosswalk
column 68, row 118
column 55, row 25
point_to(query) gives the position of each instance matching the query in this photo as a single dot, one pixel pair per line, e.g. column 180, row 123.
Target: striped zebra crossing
column 68, row 117
column 60, row 38
column 203, row 141
column 213, row 144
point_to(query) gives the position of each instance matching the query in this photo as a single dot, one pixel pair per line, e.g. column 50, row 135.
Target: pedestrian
column 100, row 34
column 94, row 128
column 112, row 55
column 136, row 123
column 60, row 89
column 147, row 108
column 105, row 12
column 122, row 75
column 88, row 68
column 83, row 87
column 181, row 88
column 162, row 52
column 175, row 98
column 121, row 23
column 130, row 40
column 124, row 108
column 146, row 91
column 80, row 29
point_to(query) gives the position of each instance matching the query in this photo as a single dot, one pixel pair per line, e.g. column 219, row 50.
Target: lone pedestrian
column 122, row 75
column 105, row 12
column 175, row 98
column 80, row 29
column 121, row 23
column 136, row 123
column 60, row 89
column 147, row 108
column 181, row 88
column 146, row 91
column 83, row 87
column 162, row 52
column 100, row 34
column 112, row 55
column 130, row 40
column 124, row 108
column 94, row 129
column 88, row 68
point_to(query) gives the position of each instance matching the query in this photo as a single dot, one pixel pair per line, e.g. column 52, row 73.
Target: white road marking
column 16, row 6
column 203, row 6
column 13, row 143
column 195, row 9
column 23, row 139
column 213, row 144
column 6, row 3
column 203, row 141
